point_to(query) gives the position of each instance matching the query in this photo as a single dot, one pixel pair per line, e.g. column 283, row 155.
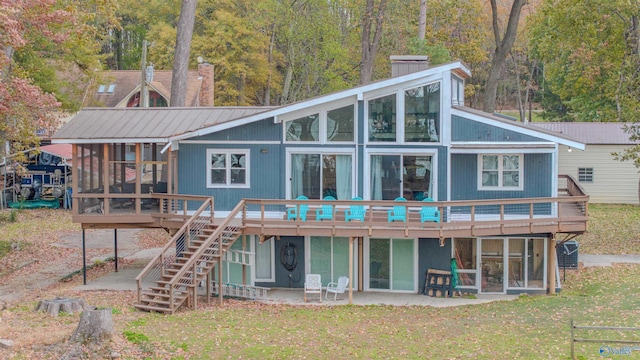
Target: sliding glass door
column 407, row 176
column 329, row 257
column 319, row 175
column 392, row 264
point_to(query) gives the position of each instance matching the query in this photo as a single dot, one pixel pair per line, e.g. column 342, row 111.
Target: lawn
column 531, row 327
column 612, row 229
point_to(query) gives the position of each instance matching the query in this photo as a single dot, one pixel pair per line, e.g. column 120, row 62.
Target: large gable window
column 340, row 124
column 422, row 114
column 227, row 168
column 500, row 172
column 382, row 118
column 304, row 129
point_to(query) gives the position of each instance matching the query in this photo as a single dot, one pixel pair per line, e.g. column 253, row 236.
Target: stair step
column 155, row 302
column 149, row 296
column 158, row 289
column 149, row 308
column 166, row 282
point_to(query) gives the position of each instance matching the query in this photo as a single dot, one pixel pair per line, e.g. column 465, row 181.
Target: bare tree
column 370, row 46
column 503, row 47
column 422, row 20
column 181, row 55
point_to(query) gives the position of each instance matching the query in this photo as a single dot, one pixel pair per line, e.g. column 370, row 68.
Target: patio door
column 317, row 175
column 492, row 266
column 392, row 264
column 329, row 257
column 406, row 175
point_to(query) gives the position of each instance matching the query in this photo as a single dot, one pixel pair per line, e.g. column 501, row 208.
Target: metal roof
column 62, row 151
column 145, row 124
column 591, row 133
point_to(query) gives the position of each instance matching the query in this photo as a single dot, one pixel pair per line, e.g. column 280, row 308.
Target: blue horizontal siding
column 468, row 130
column 538, row 182
column 263, row 130
column 266, row 174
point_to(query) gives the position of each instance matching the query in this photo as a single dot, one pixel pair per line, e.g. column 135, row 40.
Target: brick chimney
column 406, row 64
column 205, row 71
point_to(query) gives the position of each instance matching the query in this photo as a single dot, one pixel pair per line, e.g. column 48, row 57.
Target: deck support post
column 115, row 247
column 219, row 265
column 244, row 267
column 350, row 270
column 208, row 286
column 551, row 271
column 84, row 259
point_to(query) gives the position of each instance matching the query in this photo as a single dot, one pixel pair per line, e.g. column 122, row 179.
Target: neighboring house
column 235, row 175
column 605, row 179
column 122, row 88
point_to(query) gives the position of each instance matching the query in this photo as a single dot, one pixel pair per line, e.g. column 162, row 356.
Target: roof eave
column 109, row 140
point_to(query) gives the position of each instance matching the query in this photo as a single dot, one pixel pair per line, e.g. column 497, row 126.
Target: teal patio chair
column 429, row 213
column 299, row 211
column 399, row 212
column 355, row 212
column 325, row 212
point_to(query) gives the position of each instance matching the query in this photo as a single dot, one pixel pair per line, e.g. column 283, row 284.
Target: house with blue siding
column 380, row 183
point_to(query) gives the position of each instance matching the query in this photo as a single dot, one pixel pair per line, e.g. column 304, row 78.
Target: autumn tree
column 591, row 56
column 34, row 31
column 503, row 42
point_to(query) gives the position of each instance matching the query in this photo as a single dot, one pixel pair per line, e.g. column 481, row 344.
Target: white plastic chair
column 312, row 285
column 337, row 288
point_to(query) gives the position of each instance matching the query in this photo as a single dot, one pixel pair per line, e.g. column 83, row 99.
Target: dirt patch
column 46, row 262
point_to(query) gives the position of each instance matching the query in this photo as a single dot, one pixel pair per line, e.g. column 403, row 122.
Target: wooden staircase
column 171, row 279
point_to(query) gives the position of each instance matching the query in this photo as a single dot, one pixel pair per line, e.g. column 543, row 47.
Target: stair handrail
column 194, row 259
column 207, row 205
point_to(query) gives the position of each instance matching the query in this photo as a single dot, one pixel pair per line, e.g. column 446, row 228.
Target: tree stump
column 53, row 307
column 94, row 327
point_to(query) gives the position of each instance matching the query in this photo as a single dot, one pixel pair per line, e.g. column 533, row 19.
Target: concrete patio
column 124, row 280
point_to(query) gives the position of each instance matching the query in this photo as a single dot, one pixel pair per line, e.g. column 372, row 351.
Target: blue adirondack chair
column 355, row 212
column 298, row 211
column 429, row 213
column 399, row 212
column 325, row 212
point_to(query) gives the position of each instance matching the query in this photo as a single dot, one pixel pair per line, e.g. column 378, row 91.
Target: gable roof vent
column 406, row 64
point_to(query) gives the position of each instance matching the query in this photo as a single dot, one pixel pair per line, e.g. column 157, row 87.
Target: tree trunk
column 95, row 326
column 422, row 20
column 503, row 47
column 181, row 55
column 370, row 46
column 55, row 306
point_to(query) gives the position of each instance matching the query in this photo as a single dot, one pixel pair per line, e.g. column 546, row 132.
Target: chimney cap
column 409, row 58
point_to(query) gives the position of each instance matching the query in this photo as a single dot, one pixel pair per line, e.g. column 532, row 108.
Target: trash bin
column 568, row 254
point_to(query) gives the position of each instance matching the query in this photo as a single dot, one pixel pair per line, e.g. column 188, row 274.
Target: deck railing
column 566, row 212
column 458, row 218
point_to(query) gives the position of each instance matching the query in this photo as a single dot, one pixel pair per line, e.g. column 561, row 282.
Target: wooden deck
column 459, row 219
column 566, row 213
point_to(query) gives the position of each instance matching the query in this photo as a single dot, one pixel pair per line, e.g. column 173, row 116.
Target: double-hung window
column 227, row 168
column 500, row 172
